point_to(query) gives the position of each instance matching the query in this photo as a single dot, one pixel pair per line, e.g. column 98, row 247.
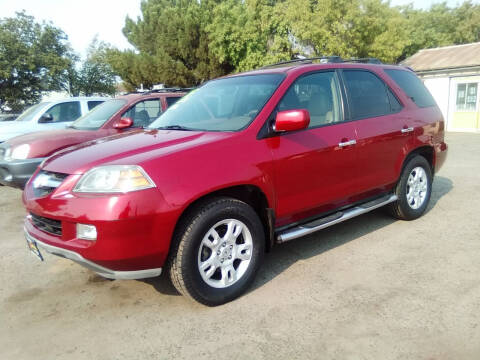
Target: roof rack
column 324, row 60
column 364, row 60
column 167, row 90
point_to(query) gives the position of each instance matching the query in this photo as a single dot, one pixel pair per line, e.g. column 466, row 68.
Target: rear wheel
column 413, row 190
column 217, row 251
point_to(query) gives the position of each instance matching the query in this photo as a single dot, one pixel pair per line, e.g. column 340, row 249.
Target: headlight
column 18, row 153
column 114, row 179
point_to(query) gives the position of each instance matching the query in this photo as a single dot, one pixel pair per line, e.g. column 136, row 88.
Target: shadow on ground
column 285, row 255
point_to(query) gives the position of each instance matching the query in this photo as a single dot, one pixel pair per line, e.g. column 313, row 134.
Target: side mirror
column 45, row 118
column 123, row 123
column 291, row 120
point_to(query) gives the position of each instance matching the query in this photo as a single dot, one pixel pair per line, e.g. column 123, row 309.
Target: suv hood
column 45, row 143
column 9, row 130
column 127, row 149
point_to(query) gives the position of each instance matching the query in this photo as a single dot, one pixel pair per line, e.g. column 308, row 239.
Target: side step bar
column 338, row 217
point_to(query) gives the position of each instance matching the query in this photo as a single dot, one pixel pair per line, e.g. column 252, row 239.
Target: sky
column 82, row 20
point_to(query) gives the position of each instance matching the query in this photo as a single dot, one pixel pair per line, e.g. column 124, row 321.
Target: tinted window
column 367, row 94
column 319, row 94
column 227, row 104
column 144, row 112
column 412, row 86
column 395, row 105
column 67, row 111
column 92, row 104
column 98, row 116
column 172, row 100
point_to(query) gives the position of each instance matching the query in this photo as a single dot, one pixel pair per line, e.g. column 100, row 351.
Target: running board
column 338, row 217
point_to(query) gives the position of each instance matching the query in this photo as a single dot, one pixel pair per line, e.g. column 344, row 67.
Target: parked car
column 20, row 156
column 237, row 166
column 48, row 116
column 8, row 117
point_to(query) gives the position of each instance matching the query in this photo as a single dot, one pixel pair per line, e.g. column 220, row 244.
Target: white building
column 452, row 74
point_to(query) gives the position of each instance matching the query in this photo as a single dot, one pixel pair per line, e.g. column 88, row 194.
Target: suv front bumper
column 103, row 271
column 16, row 173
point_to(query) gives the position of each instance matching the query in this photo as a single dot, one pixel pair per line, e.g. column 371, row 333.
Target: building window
column 467, row 97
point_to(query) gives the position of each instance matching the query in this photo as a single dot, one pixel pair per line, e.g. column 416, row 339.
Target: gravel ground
column 370, row 288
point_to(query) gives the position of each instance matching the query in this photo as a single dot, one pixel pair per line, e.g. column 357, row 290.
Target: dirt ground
column 370, row 288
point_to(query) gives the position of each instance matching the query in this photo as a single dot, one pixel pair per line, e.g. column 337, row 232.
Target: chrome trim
column 100, row 270
column 406, row 130
column 303, row 230
column 347, row 143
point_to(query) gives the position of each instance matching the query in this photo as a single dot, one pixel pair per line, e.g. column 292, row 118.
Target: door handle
column 406, row 130
column 347, row 143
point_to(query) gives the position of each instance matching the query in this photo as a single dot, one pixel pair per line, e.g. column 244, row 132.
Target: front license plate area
column 32, row 246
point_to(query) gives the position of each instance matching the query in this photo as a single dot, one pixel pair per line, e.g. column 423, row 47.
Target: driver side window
column 319, row 94
column 67, row 111
column 144, row 112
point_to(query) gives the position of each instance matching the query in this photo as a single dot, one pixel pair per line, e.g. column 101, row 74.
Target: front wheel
column 413, row 190
column 216, row 251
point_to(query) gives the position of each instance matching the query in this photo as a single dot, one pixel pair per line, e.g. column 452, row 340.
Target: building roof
column 447, row 57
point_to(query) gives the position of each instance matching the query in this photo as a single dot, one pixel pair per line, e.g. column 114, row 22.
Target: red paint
column 123, row 123
column 292, row 120
column 301, row 173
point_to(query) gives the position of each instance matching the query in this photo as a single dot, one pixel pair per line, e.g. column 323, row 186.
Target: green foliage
column 348, row 28
column 33, row 58
column 95, row 76
column 184, row 42
column 172, row 45
column 441, row 26
column 248, row 34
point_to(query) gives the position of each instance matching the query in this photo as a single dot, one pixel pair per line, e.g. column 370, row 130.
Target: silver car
column 49, row 116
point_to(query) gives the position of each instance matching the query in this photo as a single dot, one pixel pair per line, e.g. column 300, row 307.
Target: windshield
column 221, row 105
column 29, row 114
column 94, row 119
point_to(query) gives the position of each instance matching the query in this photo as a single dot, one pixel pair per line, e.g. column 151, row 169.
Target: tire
column 203, row 240
column 413, row 190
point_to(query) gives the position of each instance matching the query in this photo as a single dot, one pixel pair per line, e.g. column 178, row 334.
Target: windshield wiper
column 174, row 127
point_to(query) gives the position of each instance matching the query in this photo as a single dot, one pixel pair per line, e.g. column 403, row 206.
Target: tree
column 184, row 42
column 347, row 28
column 172, row 45
column 95, row 75
column 249, row 33
column 33, row 57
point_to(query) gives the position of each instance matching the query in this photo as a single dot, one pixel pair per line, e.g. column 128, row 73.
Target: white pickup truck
column 49, row 116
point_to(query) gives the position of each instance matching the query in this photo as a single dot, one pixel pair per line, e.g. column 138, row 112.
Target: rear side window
column 319, row 94
column 172, row 100
column 92, row 104
column 368, row 95
column 412, row 86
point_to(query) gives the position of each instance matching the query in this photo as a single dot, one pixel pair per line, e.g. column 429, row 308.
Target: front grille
column 48, row 225
column 46, row 182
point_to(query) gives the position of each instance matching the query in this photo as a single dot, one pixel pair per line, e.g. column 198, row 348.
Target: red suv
column 20, row 156
column 233, row 168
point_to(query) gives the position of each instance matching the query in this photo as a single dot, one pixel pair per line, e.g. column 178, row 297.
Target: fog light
column 86, row 232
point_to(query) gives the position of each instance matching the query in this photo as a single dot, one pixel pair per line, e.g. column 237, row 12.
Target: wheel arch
column 426, row 151
column 249, row 194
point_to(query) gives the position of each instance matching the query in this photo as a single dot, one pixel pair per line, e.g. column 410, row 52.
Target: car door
column 62, row 115
column 380, row 118
column 314, row 168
